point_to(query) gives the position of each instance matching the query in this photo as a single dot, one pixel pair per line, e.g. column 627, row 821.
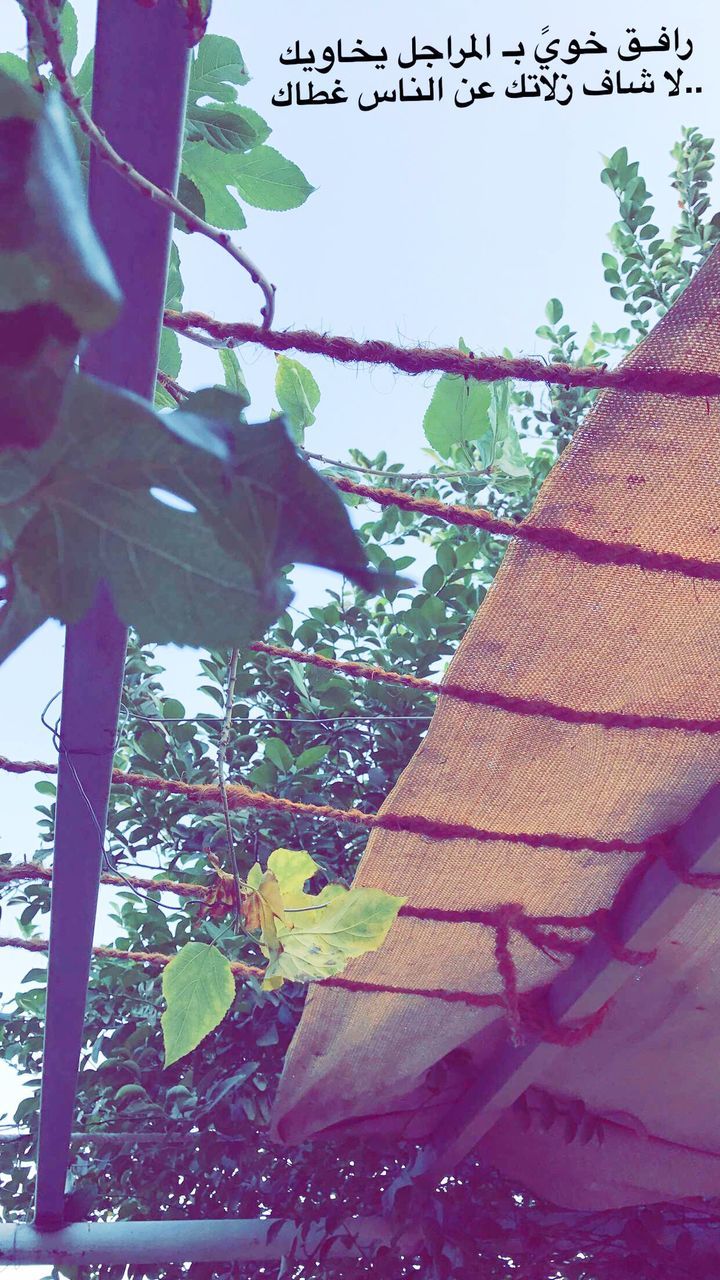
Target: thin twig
column 172, row 387
column 395, row 475
column 319, row 720
column 222, row 748
column 46, row 20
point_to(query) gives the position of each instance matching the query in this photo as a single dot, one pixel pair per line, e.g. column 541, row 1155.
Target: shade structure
column 623, row 1110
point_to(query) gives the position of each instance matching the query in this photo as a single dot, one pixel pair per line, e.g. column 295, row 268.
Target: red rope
column 551, row 537
column 417, row 360
column 533, row 1015
column 489, row 698
column 507, row 917
column 527, row 1012
column 240, row 797
column 139, row 957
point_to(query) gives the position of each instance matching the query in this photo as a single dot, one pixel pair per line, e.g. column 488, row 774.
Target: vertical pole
column 139, row 90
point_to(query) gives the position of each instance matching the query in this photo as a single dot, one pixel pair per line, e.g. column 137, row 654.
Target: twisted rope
column 40, row 945
column 551, row 537
column 418, row 360
column 241, row 797
column 491, row 698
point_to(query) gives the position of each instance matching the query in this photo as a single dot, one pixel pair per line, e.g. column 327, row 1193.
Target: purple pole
column 139, row 89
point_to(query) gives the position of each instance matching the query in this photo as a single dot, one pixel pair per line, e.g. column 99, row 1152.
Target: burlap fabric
column 643, row 469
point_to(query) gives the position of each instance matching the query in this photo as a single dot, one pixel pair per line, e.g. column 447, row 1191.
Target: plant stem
column 222, row 748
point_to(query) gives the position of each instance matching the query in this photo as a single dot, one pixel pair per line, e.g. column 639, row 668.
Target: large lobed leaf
column 319, row 933
column 262, row 177
column 217, row 68
column 224, row 155
column 56, row 283
column 87, row 506
column 306, row 937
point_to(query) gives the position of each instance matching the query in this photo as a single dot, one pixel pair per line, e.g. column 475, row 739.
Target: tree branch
column 46, row 20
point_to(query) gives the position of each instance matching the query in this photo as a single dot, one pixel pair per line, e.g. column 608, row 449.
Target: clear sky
column 428, row 222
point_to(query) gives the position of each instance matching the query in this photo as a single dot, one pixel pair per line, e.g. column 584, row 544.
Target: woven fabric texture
column 642, row 469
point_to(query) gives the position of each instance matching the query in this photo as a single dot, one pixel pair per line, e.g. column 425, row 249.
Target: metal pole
column 139, row 89
column 167, row 1242
column 656, row 907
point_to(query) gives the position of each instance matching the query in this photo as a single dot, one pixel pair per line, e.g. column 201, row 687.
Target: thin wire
column 320, row 720
column 107, row 861
column 398, row 475
column 221, row 761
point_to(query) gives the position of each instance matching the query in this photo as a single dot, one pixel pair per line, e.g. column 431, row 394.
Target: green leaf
column 69, row 33
column 50, row 252
column 152, row 744
column 314, row 944
column 292, row 868
column 84, row 77
column 510, row 459
column 55, row 280
column 554, row 311
column 19, row 617
column 271, row 507
column 15, row 66
column 433, row 578
column 349, row 922
column 207, row 169
column 234, row 380
column 190, row 196
column 262, row 177
column 199, row 988
column 82, row 508
column 458, row 412
column 267, row 180
column 298, row 395
column 174, row 288
column 228, row 128
column 311, row 756
column 169, row 359
column 162, row 398
column 168, row 576
column 173, row 709
column 280, row 754
column 215, row 69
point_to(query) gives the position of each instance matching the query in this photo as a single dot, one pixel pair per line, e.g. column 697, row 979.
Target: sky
column 427, row 223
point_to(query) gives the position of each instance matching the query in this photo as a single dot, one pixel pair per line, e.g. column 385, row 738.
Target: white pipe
column 211, row 1240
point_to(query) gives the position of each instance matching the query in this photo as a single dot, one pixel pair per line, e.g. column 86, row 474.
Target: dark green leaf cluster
column 648, row 271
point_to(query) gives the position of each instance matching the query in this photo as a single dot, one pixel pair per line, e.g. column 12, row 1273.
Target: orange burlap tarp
column 642, row 469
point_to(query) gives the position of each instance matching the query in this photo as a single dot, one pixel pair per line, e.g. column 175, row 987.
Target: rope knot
column 664, row 846
column 508, row 917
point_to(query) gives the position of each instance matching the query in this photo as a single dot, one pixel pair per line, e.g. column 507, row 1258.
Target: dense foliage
column 195, row 1141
